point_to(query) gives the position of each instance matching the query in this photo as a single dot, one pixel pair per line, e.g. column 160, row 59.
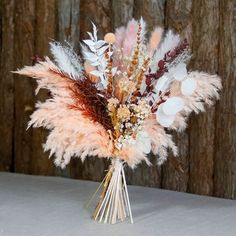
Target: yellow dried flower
column 123, row 113
column 126, row 85
column 112, row 103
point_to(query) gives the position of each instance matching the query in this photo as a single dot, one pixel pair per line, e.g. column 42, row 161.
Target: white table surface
column 54, row 206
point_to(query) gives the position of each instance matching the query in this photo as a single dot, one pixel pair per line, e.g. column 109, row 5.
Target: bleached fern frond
column 94, row 53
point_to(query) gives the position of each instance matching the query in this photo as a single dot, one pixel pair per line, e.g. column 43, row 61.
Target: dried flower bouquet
column 118, row 102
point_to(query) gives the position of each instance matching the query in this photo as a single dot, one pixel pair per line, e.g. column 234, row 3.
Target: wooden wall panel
column 225, row 141
column 151, row 10
column 68, row 21
column 44, row 30
column 205, row 42
column 122, row 12
column 98, row 12
column 6, row 84
column 23, row 87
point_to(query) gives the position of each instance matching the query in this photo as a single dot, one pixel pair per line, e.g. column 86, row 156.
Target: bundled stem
column 114, row 202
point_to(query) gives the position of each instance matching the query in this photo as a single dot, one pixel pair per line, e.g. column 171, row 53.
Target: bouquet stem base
column 114, row 204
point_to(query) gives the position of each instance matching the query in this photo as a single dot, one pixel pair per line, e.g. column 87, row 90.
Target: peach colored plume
column 154, row 40
column 130, row 37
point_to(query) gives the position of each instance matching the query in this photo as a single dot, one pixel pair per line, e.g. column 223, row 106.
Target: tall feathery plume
column 154, row 40
column 130, row 37
column 67, row 60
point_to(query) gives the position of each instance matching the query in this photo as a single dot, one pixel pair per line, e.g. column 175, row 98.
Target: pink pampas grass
column 130, row 37
column 154, row 40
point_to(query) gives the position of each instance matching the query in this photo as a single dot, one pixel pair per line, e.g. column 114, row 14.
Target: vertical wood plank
column 23, row 87
column 68, row 13
column 175, row 172
column 152, row 12
column 225, row 145
column 122, row 12
column 205, row 52
column 178, row 16
column 7, row 85
column 44, row 31
column 99, row 12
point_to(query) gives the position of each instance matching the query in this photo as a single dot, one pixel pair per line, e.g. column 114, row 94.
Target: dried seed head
column 110, row 38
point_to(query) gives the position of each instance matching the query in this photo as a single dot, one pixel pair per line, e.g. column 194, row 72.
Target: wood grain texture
column 152, row 12
column 99, row 12
column 225, row 136
column 44, row 31
column 68, row 21
column 23, row 87
column 122, row 12
column 6, row 84
column 178, row 17
column 205, row 41
column 175, row 173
